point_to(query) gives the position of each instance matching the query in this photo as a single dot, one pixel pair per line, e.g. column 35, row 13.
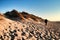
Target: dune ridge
column 16, row 25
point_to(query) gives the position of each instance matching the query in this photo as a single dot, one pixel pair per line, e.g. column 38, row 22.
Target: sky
column 47, row 9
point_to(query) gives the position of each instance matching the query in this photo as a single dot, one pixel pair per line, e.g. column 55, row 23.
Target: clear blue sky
column 49, row 9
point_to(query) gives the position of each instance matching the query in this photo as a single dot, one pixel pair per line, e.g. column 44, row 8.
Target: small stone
column 14, row 30
column 18, row 30
column 23, row 33
column 23, row 26
column 5, row 29
column 9, row 26
column 23, row 38
column 30, row 35
column 15, row 34
column 32, row 32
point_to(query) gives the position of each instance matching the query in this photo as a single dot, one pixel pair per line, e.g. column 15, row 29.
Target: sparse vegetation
column 27, row 29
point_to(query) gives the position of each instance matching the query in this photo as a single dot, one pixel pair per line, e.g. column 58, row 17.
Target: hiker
column 46, row 21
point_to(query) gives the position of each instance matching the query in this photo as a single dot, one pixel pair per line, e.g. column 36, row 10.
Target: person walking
column 46, row 21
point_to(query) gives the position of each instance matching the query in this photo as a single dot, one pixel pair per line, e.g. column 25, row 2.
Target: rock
column 23, row 26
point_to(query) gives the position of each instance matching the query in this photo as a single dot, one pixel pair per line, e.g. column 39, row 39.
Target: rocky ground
column 28, row 29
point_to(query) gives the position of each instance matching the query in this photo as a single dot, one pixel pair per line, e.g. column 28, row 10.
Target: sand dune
column 16, row 25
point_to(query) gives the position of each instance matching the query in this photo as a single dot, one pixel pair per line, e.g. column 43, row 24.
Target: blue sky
column 47, row 9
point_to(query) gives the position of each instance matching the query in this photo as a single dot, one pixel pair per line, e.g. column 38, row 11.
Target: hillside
column 16, row 25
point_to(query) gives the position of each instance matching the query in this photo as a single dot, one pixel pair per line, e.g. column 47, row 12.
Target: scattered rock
column 23, row 26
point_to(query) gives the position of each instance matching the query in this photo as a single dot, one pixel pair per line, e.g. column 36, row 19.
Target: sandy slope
column 27, row 27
